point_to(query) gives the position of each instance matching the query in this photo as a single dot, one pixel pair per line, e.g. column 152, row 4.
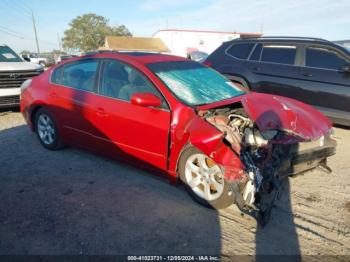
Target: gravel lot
column 73, row 202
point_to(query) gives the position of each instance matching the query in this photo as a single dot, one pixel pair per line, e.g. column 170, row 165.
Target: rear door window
column 79, row 75
column 281, row 54
column 325, row 58
column 240, row 51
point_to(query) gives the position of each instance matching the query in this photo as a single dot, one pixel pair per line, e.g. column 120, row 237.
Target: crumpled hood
column 282, row 113
column 19, row 66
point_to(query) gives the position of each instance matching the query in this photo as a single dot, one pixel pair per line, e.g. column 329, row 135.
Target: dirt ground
column 74, row 202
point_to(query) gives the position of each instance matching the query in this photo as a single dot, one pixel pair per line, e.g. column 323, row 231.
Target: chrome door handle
column 101, row 112
column 306, row 74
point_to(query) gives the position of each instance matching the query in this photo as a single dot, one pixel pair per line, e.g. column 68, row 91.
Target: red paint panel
column 276, row 112
column 137, row 131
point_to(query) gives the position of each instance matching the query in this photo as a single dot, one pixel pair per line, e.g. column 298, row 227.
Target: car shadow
column 278, row 240
column 278, row 237
column 72, row 202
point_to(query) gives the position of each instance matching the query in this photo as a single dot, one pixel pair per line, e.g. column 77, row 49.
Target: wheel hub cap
column 204, row 177
column 46, row 129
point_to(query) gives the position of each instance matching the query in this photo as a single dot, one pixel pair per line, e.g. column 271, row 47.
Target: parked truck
column 13, row 72
column 36, row 59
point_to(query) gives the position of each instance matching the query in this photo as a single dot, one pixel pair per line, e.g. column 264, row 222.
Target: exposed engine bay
column 267, row 156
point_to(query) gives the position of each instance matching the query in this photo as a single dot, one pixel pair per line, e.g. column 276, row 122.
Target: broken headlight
column 269, row 134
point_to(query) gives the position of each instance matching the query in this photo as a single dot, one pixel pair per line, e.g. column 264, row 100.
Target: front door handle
column 101, row 112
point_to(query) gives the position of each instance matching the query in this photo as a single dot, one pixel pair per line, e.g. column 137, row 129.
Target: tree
column 25, row 52
column 87, row 32
column 57, row 52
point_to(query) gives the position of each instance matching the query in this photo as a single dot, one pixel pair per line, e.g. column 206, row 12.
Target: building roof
column 122, row 43
column 209, row 31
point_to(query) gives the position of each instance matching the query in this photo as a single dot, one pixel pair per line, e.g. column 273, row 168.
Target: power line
column 22, row 10
column 15, row 11
column 26, row 12
column 22, row 36
column 24, row 5
column 12, row 31
column 9, row 33
column 18, row 7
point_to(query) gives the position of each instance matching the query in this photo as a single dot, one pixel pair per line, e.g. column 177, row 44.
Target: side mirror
column 346, row 68
column 146, row 99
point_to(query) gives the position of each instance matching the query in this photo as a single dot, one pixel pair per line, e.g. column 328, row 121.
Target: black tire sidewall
column 56, row 143
column 226, row 198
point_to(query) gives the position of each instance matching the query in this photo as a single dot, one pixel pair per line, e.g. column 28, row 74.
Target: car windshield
column 193, row 83
column 8, row 55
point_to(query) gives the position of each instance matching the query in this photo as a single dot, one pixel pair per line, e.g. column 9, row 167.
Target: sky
column 329, row 19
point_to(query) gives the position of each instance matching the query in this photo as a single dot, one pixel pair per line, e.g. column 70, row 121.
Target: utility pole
column 59, row 42
column 36, row 34
column 262, row 27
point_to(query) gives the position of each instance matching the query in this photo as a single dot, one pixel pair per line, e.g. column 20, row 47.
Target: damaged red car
column 180, row 117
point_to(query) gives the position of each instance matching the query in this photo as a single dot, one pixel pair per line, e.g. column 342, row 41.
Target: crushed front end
column 268, row 155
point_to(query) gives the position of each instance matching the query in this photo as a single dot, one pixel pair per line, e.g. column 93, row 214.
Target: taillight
column 208, row 63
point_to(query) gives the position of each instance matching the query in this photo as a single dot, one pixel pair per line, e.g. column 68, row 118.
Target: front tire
column 204, row 179
column 46, row 130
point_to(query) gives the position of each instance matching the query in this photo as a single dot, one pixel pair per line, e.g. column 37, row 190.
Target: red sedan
column 181, row 118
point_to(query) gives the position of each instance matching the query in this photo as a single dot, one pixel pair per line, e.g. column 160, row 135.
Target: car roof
column 140, row 57
column 282, row 38
column 289, row 39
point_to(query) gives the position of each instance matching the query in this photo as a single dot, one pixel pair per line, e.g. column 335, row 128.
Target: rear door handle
column 256, row 68
column 53, row 94
column 101, row 112
column 307, row 74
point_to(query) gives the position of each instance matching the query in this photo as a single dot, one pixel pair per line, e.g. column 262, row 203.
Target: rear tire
column 204, row 179
column 46, row 130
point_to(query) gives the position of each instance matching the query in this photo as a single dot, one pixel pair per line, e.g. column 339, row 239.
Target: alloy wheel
column 204, row 177
column 46, row 129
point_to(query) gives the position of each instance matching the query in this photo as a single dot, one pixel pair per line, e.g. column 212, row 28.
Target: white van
column 13, row 72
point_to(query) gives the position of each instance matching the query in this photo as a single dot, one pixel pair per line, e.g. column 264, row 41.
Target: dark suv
column 311, row 70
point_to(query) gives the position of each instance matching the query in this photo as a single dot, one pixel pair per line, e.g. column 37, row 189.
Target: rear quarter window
column 56, row 75
column 240, row 51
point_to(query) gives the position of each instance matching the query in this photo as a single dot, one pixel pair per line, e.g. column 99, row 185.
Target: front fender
column 209, row 140
column 204, row 136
